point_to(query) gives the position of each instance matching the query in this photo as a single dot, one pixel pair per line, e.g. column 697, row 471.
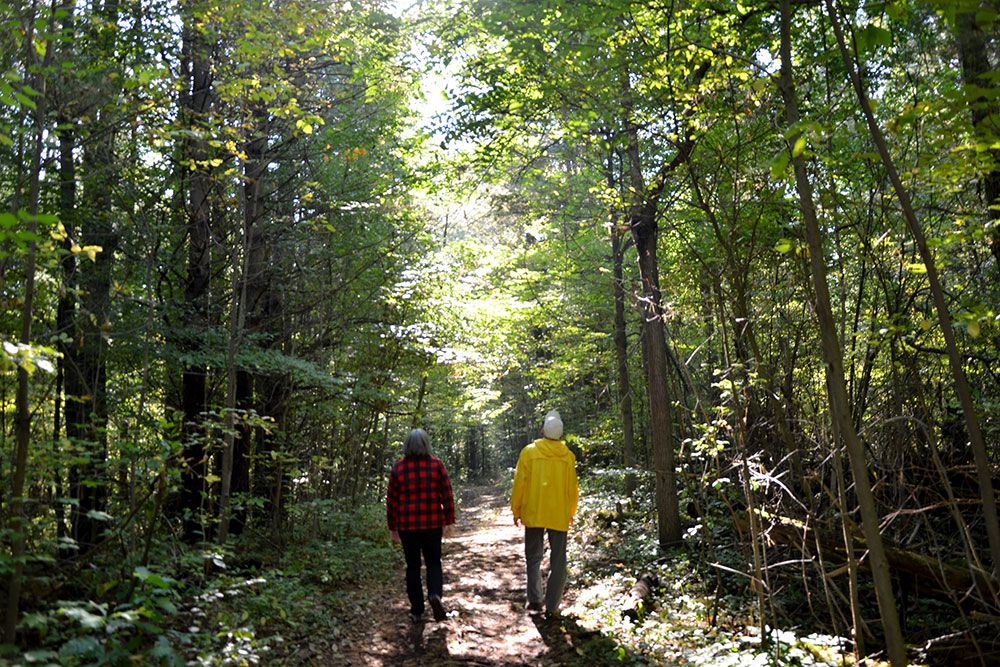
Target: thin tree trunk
column 22, row 417
column 839, row 403
column 237, row 313
column 246, row 305
column 983, row 466
column 67, row 410
column 621, row 343
column 418, row 412
column 241, row 450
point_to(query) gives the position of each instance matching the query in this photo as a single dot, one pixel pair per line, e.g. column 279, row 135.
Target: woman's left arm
column 447, row 499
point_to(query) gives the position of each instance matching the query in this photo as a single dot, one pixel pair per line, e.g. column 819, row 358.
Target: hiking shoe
column 534, row 608
column 416, row 618
column 439, row 614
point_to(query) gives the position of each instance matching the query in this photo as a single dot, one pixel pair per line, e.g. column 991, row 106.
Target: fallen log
column 933, row 576
column 635, row 604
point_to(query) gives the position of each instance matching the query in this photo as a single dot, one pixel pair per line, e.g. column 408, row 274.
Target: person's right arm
column 572, row 491
column 447, row 499
column 392, row 505
column 520, row 485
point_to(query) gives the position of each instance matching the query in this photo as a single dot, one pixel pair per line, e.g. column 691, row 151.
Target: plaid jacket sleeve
column 392, row 500
column 447, row 499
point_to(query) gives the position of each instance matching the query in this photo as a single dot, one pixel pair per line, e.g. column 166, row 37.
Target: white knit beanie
column 552, row 428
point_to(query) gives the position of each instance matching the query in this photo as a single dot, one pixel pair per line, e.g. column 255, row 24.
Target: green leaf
column 165, row 652
column 155, row 580
column 799, row 147
column 81, row 647
column 873, row 36
column 779, row 165
column 985, row 18
column 84, row 617
column 35, row 621
column 916, row 267
column 898, row 11
column 166, row 605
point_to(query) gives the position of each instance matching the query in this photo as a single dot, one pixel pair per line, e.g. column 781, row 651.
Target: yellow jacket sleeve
column 572, row 490
column 520, row 486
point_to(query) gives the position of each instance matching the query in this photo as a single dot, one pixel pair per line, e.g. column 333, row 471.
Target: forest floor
column 484, row 596
column 340, row 599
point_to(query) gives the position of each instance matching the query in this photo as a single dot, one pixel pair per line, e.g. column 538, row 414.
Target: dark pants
column 428, row 543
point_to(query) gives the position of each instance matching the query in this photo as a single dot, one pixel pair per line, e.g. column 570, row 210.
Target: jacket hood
column 553, row 449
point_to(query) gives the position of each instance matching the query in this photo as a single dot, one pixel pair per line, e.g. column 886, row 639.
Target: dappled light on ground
column 683, row 622
column 484, row 595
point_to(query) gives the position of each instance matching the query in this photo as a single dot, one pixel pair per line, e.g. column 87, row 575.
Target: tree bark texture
column 643, row 224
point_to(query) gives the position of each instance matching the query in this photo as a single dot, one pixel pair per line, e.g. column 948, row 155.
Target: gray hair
column 417, row 444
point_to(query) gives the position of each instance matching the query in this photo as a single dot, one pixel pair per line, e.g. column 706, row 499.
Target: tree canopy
column 750, row 250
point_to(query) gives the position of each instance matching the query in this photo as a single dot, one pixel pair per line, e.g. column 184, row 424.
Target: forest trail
column 484, row 596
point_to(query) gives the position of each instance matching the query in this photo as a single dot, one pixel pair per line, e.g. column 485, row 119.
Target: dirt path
column 484, row 596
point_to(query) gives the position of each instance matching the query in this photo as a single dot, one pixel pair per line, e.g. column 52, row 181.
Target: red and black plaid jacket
column 419, row 495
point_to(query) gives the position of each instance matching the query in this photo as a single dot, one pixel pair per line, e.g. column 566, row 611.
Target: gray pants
column 534, row 548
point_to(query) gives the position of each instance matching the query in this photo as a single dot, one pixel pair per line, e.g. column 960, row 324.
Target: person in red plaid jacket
column 420, row 509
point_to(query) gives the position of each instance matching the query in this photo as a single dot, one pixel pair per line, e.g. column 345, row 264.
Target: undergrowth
column 702, row 611
column 256, row 602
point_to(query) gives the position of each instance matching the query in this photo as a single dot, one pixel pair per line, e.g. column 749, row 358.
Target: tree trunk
column 248, row 289
column 97, row 227
column 839, row 403
column 241, row 450
column 18, row 523
column 194, row 396
column 976, row 71
column 237, row 313
column 643, row 224
column 271, row 476
column 257, row 285
column 621, row 344
column 68, row 412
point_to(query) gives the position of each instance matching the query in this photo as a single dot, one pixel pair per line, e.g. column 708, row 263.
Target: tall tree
column 840, row 409
column 37, row 68
column 98, row 227
column 195, row 167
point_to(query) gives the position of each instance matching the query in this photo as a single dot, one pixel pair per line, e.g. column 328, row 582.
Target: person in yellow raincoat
column 544, row 499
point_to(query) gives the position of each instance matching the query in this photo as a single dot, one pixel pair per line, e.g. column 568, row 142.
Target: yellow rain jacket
column 545, row 489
